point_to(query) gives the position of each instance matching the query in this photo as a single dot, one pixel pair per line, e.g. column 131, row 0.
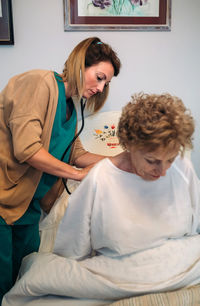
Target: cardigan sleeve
column 26, row 102
column 77, row 151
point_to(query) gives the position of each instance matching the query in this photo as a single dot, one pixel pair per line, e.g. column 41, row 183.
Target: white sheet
column 49, row 223
column 52, row 300
column 42, row 273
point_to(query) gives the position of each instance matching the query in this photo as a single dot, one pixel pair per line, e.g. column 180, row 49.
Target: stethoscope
column 72, row 141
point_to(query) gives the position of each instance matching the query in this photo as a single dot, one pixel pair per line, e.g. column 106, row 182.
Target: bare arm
column 88, row 159
column 44, row 161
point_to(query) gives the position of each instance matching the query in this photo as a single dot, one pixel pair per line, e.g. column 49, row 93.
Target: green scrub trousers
column 17, row 241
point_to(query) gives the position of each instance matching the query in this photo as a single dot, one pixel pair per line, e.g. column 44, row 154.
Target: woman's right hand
column 84, row 171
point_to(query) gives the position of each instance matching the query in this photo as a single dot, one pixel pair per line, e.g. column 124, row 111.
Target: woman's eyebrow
column 151, row 157
column 104, row 76
column 159, row 160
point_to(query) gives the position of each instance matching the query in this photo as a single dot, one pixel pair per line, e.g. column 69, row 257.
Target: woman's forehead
column 163, row 153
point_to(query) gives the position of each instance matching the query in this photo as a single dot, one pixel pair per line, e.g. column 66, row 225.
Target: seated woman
column 142, row 197
column 132, row 225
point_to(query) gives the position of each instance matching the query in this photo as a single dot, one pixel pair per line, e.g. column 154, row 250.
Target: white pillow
column 99, row 133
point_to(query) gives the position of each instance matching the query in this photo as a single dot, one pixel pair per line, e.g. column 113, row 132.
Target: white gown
column 117, row 213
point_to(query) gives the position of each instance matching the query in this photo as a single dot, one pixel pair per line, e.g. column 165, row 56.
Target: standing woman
column 38, row 121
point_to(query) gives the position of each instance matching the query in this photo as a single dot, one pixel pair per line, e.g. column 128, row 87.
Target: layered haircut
column 87, row 53
column 149, row 122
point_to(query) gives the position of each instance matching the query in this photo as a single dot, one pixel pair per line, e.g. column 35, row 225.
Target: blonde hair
column 89, row 52
column 152, row 121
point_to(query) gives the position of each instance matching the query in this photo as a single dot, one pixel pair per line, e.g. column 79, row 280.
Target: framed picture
column 6, row 23
column 117, row 15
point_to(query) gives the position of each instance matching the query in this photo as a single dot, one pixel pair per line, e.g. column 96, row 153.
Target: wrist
column 76, row 174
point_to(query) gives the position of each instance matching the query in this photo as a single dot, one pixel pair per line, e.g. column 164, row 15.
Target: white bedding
column 42, row 273
column 52, row 300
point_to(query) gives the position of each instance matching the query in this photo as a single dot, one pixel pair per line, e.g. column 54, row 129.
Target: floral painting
column 143, row 8
column 117, row 15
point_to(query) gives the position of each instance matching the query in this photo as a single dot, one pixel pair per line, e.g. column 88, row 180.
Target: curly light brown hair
column 87, row 53
column 152, row 121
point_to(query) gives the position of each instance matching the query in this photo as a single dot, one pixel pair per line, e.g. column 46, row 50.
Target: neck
column 67, row 91
column 123, row 162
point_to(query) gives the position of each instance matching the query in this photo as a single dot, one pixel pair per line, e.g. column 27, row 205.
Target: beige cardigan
column 27, row 110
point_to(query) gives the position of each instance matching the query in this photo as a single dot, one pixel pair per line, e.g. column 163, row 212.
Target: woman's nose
column 161, row 170
column 100, row 87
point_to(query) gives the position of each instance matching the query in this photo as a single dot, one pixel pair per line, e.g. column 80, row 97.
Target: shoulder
column 98, row 172
column 46, row 75
column 30, row 93
column 35, row 73
column 183, row 166
column 34, row 83
column 183, row 163
column 100, row 166
column 32, row 78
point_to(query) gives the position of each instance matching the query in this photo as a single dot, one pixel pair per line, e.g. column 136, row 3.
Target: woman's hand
column 84, row 171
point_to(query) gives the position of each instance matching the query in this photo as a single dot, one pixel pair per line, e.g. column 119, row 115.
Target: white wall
column 152, row 62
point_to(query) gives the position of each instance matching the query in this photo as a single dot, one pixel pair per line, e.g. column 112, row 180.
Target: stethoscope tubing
column 73, row 140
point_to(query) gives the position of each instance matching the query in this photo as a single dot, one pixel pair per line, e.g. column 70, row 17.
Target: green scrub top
column 63, row 132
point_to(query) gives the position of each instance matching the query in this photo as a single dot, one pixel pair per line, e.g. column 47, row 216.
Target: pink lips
column 93, row 91
column 156, row 176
